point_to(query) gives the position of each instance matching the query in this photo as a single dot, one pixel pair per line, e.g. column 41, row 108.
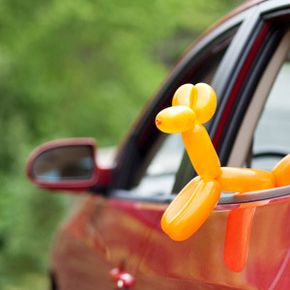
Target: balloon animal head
column 190, row 104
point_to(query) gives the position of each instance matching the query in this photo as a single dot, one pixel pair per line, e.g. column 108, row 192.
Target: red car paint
column 153, row 259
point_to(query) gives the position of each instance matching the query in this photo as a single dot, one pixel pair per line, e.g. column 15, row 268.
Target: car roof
column 243, row 7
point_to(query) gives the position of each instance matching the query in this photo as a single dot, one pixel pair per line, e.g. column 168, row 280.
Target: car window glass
column 272, row 136
column 162, row 169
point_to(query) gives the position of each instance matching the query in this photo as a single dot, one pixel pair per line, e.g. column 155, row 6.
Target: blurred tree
column 76, row 68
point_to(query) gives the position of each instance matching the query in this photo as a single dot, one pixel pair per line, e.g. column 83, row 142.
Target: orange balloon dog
column 192, row 106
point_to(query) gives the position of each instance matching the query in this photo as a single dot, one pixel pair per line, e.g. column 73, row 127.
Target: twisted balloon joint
column 193, row 106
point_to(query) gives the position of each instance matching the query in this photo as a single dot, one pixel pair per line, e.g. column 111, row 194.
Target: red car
column 114, row 239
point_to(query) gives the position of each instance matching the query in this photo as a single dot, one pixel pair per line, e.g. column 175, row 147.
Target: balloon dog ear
column 206, row 102
column 201, row 98
column 185, row 95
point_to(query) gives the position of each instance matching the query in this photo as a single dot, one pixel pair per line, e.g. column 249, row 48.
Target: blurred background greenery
column 75, row 68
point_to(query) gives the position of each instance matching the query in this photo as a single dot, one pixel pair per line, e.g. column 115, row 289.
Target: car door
column 103, row 243
column 245, row 242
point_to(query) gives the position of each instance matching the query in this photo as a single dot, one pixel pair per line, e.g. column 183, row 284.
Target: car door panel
column 199, row 261
column 157, row 262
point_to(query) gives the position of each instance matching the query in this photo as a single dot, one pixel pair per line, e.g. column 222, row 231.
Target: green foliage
column 75, row 68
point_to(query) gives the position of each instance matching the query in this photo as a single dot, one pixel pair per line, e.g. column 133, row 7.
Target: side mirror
column 64, row 164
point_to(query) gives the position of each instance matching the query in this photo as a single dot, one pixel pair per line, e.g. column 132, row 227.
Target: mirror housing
column 68, row 164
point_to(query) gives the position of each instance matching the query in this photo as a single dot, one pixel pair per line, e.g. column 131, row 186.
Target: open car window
column 163, row 167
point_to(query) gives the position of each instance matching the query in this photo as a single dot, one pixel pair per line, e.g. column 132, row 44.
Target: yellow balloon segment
column 245, row 179
column 201, row 152
column 175, row 119
column 206, row 102
column 190, row 209
column 282, row 171
column 185, row 95
column 192, row 107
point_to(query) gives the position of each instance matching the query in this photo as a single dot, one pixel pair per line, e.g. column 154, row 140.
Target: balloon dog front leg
column 190, row 209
